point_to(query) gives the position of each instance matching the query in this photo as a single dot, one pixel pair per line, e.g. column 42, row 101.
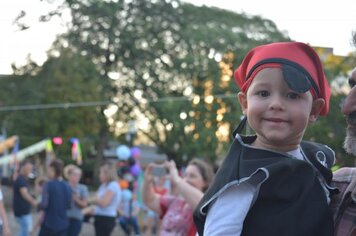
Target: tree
column 167, row 53
column 64, row 79
column 172, row 65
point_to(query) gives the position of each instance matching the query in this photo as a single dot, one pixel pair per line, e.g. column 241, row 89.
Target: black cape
column 291, row 200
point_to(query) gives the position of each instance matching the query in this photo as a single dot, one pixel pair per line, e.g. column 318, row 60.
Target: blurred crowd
column 156, row 200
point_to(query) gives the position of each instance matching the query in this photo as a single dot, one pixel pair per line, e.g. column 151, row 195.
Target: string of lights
column 105, row 103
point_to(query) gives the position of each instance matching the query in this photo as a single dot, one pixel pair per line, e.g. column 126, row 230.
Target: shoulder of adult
column 20, row 178
column 345, row 179
column 21, row 181
column 114, row 185
column 345, row 174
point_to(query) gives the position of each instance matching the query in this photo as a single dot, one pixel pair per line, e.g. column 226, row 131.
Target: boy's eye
column 263, row 93
column 352, row 82
column 293, row 95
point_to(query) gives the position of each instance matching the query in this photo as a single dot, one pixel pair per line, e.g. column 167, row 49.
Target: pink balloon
column 57, row 140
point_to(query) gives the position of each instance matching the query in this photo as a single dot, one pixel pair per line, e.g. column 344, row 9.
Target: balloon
column 74, row 140
column 126, row 195
column 123, row 152
column 57, row 140
column 135, row 170
column 123, row 184
column 135, row 152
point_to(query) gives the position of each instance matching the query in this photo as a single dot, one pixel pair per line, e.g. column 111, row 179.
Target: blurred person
column 344, row 203
column 39, row 183
column 152, row 221
column 22, row 199
column 4, row 224
column 160, row 185
column 56, row 200
column 106, row 200
column 80, row 196
column 176, row 210
column 128, row 210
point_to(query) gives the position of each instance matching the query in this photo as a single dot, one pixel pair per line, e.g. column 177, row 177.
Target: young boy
column 273, row 183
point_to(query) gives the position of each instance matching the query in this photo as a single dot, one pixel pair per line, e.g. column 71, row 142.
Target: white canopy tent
column 26, row 152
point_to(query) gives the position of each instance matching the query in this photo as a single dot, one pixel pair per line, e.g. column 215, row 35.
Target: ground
column 87, row 230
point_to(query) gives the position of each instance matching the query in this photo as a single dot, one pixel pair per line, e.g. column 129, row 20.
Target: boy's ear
column 317, row 106
column 242, row 97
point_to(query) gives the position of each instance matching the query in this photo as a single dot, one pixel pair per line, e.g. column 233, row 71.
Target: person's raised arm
column 191, row 194
column 149, row 197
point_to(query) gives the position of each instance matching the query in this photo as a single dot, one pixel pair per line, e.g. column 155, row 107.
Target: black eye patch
column 296, row 80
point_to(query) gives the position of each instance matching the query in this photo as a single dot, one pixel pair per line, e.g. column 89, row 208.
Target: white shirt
column 110, row 209
column 227, row 214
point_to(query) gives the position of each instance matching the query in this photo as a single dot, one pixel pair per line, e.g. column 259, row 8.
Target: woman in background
column 79, row 199
column 176, row 211
column 106, row 200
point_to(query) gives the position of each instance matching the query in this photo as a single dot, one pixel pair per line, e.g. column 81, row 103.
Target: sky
column 319, row 23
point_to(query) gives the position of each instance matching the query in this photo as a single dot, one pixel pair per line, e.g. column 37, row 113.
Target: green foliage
column 68, row 78
column 174, row 62
column 165, row 49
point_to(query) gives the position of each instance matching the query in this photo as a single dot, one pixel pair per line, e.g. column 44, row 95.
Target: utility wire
column 102, row 103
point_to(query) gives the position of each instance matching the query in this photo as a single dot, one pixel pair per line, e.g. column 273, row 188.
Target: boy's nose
column 349, row 105
column 276, row 103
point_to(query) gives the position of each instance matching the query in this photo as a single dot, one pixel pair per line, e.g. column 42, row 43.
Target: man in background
column 344, row 203
column 22, row 199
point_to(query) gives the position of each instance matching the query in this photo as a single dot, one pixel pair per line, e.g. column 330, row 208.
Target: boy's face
column 277, row 114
